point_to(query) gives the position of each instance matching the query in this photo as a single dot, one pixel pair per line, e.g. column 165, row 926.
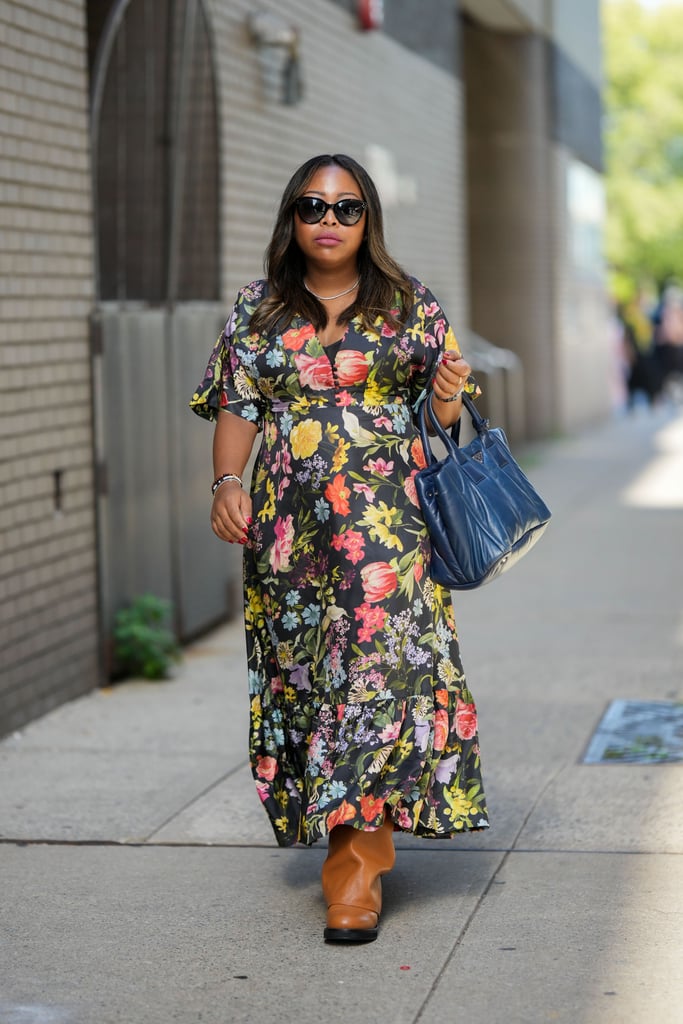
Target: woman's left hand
column 451, row 376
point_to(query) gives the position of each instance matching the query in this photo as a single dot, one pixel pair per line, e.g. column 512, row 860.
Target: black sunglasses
column 312, row 210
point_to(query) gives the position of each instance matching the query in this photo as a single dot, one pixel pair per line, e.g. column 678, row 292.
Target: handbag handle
column 449, row 440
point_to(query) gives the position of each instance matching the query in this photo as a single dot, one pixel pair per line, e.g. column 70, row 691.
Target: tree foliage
column 644, row 142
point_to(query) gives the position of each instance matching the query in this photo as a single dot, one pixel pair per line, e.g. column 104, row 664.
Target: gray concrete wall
column 537, row 283
column 366, row 94
column 48, row 620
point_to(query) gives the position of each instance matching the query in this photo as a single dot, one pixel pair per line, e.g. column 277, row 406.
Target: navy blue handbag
column 481, row 511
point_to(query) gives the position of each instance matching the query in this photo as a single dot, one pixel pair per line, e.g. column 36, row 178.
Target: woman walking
column 361, row 719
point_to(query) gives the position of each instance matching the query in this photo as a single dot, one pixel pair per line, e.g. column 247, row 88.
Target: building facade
column 144, row 145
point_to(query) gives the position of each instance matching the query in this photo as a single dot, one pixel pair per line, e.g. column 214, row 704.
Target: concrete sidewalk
column 141, row 882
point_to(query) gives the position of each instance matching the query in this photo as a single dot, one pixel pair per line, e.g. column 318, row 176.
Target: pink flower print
column 410, row 489
column 282, row 548
column 344, row 398
column 390, row 732
column 379, row 466
column 383, row 421
column 431, row 309
column 367, row 491
column 388, row 331
column 352, row 367
column 315, row 372
column 404, row 820
column 379, row 580
column 263, row 790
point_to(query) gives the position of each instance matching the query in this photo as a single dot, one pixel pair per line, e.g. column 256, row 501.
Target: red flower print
column 417, row 453
column 266, row 767
column 465, row 720
column 371, row 807
column 441, row 697
column 352, row 367
column 379, row 580
column 440, row 729
column 338, row 494
column 343, row 813
column 314, row 372
column 297, row 337
column 373, row 617
column 354, row 543
column 418, row 571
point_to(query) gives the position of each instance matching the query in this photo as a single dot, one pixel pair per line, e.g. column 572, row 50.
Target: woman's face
column 329, row 245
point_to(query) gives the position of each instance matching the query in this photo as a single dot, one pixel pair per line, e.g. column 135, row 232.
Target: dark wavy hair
column 380, row 276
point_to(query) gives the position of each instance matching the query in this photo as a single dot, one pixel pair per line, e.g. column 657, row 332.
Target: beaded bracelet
column 223, row 480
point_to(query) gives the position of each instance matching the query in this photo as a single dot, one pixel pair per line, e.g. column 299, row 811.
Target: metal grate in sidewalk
column 638, row 732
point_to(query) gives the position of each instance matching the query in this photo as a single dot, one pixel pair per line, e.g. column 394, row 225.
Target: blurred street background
column 529, row 156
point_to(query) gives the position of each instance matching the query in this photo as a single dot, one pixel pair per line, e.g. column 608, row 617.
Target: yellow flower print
column 341, row 455
column 290, row 694
column 459, row 807
column 450, row 341
column 256, row 712
column 380, row 518
column 301, row 405
column 373, row 394
column 268, row 510
column 305, row 438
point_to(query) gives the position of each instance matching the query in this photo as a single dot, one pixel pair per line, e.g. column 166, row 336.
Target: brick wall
column 361, row 89
column 48, row 617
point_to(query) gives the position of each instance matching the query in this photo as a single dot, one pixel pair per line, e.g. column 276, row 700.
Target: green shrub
column 144, row 643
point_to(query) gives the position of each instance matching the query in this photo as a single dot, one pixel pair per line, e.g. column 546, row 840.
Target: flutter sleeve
column 430, row 328
column 230, row 380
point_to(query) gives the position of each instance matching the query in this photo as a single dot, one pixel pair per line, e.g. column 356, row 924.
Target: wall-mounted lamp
column 277, row 43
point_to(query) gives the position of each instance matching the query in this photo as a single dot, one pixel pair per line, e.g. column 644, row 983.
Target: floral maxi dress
column 359, row 704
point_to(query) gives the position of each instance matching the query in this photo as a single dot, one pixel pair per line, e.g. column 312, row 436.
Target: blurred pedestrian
column 668, row 333
column 643, row 372
column 361, row 718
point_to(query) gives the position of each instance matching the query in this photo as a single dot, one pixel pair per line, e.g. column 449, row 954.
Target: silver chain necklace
column 328, row 298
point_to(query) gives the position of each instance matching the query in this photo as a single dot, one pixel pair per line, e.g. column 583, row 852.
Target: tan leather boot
column 351, row 881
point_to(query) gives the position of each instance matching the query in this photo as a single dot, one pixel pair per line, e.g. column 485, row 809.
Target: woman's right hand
column 231, row 513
